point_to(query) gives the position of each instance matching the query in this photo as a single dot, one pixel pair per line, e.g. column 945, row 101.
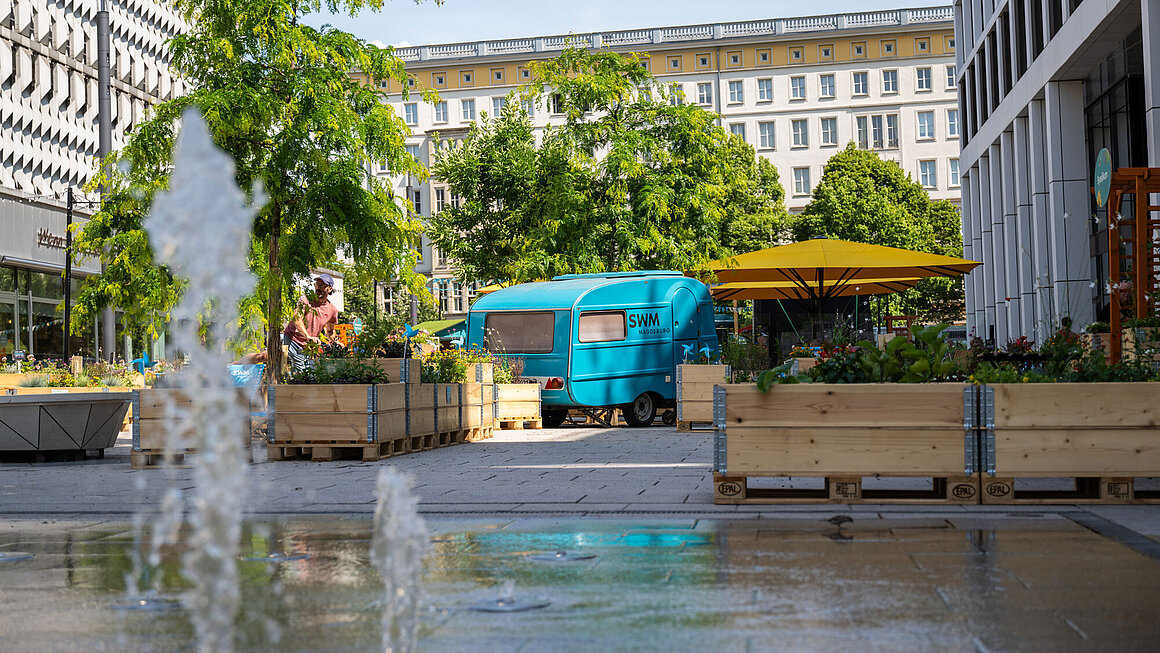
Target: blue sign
column 1103, row 177
column 358, row 325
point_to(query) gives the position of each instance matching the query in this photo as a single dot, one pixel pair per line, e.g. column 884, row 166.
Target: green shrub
column 34, row 381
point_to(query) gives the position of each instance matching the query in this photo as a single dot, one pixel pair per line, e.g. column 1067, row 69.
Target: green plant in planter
column 928, row 359
column 34, row 381
column 1098, row 327
column 1007, row 373
column 448, row 366
column 342, row 371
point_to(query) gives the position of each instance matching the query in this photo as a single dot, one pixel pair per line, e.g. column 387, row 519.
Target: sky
column 402, row 22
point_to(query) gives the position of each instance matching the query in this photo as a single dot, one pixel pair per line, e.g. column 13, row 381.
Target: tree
column 865, row 199
column 279, row 97
column 628, row 181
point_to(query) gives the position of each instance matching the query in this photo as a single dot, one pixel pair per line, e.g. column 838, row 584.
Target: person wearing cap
column 311, row 318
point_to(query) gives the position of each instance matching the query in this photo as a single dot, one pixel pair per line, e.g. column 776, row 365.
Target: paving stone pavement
column 570, row 471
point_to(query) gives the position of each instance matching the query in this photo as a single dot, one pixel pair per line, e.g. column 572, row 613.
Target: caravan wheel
column 642, row 411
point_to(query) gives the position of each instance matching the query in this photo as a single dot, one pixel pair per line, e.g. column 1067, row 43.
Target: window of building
column 829, row 131
column 889, row 81
column 951, row 76
column 411, row 113
column 826, row 52
column 497, row 104
column 417, row 201
column 467, row 108
column 764, row 57
column 862, row 83
column 796, row 54
column 738, row 128
column 525, row 74
column 674, row 63
column 384, row 83
column 858, row 50
column 950, row 43
column 734, row 59
column 457, row 293
column 467, row 77
column 923, row 80
column 922, row 45
column 801, row 132
column 765, row 137
column 529, row 106
column 444, row 292
column 413, row 150
column 705, row 93
column 877, row 131
column 703, row 61
column 604, row 326
column 497, row 75
column 925, row 124
column 441, row 111
column 952, row 123
column 954, row 176
column 440, row 79
column 520, row 332
column 410, row 81
column 887, row 48
column 736, row 93
column 765, row 90
column 677, row 98
column 928, row 174
column 440, row 199
column 797, row 88
column 801, row 181
column 826, row 85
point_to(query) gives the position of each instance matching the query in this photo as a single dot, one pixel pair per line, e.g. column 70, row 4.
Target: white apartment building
column 1046, row 84
column 49, row 140
column 797, row 89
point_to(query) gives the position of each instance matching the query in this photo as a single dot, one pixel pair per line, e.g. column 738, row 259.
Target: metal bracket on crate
column 970, row 435
column 372, row 408
column 136, row 403
column 272, row 413
column 719, row 443
column 987, row 415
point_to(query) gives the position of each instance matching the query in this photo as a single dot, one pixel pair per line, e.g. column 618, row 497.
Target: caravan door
column 686, row 324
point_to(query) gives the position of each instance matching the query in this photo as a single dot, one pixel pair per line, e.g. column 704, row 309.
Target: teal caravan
column 599, row 340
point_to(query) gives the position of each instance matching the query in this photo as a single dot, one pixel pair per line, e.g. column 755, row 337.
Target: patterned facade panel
column 48, row 56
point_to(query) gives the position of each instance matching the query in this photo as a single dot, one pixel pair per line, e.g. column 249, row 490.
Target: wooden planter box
column 447, row 414
column 843, row 433
column 1138, row 339
column 481, row 373
column 517, row 403
column 477, row 408
column 152, row 441
column 1101, row 435
column 420, row 416
column 695, row 394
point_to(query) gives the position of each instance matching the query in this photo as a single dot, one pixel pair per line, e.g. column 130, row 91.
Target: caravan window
column 519, row 333
column 606, row 326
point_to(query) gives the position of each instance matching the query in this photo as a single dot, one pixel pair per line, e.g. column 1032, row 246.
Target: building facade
column 1044, row 86
column 797, row 89
column 49, row 141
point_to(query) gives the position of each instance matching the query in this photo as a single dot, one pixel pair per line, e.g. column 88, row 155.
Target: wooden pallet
column 478, row 433
column 425, row 442
column 324, row 452
column 847, row 489
column 518, row 425
column 157, row 458
column 607, row 417
column 1084, row 490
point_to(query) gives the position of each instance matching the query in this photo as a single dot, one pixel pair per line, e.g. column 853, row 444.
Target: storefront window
column 47, row 330
column 7, row 280
column 47, row 285
column 9, row 337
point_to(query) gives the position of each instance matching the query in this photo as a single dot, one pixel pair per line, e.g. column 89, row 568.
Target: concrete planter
column 62, row 422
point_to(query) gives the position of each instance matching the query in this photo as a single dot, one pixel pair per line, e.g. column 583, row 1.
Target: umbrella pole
column 735, row 328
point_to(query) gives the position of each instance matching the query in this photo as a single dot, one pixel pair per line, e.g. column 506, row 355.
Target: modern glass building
column 1044, row 85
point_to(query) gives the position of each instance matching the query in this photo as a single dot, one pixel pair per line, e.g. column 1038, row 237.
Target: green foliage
column 277, row 96
column 745, row 358
column 33, row 381
column 1098, row 327
column 928, row 358
column 508, row 369
column 347, row 370
column 840, row 365
column 865, row 199
column 629, row 181
column 447, row 366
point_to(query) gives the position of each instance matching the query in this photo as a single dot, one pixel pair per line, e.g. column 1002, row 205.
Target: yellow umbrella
column 821, row 262
column 743, row 290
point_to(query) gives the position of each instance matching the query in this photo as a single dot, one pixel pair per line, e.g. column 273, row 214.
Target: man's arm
column 300, row 323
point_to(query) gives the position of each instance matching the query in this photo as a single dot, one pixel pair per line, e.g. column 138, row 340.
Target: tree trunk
column 274, row 316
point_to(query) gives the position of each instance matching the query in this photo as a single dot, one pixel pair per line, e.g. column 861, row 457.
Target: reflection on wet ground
column 919, row 583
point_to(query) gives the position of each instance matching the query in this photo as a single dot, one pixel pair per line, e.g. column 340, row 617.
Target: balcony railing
column 774, row 27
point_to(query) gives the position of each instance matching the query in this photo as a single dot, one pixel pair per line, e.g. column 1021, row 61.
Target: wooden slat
column 319, row 427
column 391, row 425
column 938, row 405
column 447, row 394
column 1078, row 452
column 391, row 396
column 697, row 411
column 1085, row 405
column 420, row 395
column 154, row 402
column 333, row 398
column 766, row 451
column 516, row 410
column 480, row 373
column 703, row 374
column 698, row 391
column 517, row 392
